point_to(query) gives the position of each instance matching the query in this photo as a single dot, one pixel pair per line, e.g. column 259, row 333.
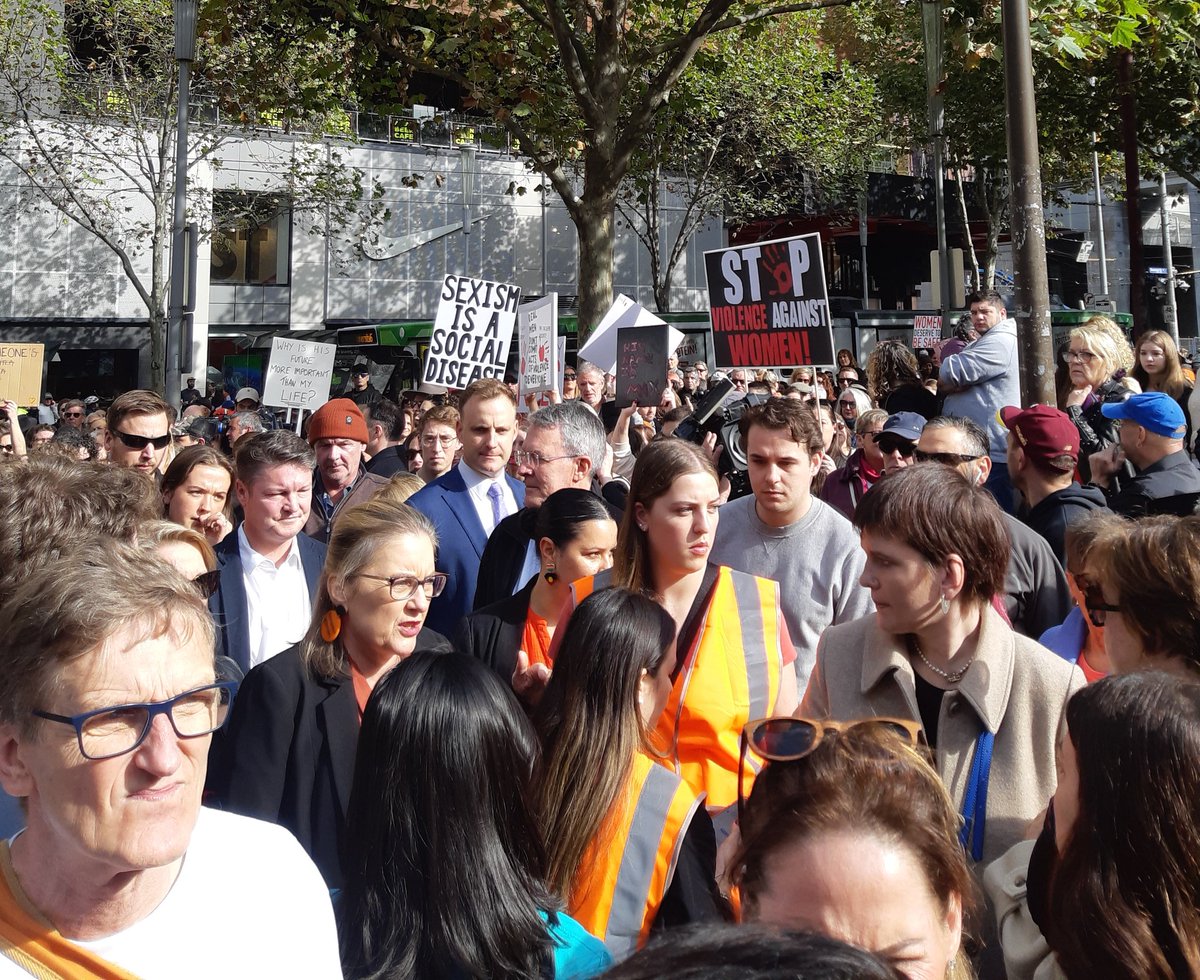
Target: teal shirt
column 578, row 954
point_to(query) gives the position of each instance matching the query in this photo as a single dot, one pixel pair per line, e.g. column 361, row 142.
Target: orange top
column 535, row 641
column 362, row 690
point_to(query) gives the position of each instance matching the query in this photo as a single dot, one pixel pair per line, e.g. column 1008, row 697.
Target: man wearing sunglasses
column 897, row 441
column 1036, row 594
column 361, row 391
column 139, row 431
column 71, row 413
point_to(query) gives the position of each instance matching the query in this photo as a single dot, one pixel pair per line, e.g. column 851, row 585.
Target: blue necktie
column 497, row 510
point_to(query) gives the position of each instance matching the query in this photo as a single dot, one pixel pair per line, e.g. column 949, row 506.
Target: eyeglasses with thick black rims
column 105, row 733
column 787, row 739
column 404, row 587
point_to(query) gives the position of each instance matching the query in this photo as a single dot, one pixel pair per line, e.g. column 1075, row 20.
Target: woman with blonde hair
column 184, row 548
column 849, row 832
column 288, row 754
column 1098, row 359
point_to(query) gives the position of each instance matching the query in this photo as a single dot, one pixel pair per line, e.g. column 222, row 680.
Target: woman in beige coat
column 990, row 701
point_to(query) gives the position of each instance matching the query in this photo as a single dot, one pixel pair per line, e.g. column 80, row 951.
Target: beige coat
column 1015, row 687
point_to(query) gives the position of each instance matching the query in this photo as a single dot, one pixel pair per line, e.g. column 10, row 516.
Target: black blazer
column 287, row 753
column 493, row 634
column 228, row 604
column 503, row 558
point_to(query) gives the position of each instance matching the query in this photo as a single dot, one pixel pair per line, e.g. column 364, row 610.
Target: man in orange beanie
column 337, row 432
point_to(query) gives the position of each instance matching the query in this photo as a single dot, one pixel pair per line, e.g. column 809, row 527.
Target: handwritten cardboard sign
column 298, row 374
column 21, row 373
column 641, row 364
column 769, row 303
column 472, row 331
column 537, row 331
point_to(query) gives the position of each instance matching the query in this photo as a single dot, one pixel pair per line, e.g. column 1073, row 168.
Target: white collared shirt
column 277, row 600
column 478, row 486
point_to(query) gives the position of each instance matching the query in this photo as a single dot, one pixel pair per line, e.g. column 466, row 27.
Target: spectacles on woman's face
column 404, row 587
column 1083, row 356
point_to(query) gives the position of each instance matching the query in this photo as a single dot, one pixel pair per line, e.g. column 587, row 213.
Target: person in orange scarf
column 108, row 702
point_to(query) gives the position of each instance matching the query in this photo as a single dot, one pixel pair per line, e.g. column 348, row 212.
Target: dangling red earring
column 551, row 576
column 331, row 626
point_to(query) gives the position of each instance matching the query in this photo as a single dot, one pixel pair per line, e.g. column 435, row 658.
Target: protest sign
column 472, row 332
column 769, row 303
column 641, row 364
column 601, row 346
column 694, row 348
column 927, row 330
column 21, row 373
column 537, row 340
column 298, row 374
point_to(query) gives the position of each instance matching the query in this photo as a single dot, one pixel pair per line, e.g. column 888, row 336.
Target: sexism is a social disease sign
column 769, row 303
column 472, row 331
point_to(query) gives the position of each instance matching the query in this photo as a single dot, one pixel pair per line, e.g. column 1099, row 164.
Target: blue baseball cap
column 906, row 425
column 1153, row 410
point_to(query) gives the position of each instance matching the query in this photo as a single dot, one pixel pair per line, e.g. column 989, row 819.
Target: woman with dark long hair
column 1113, row 881
column 609, row 809
column 894, row 380
column 734, row 656
column 444, row 859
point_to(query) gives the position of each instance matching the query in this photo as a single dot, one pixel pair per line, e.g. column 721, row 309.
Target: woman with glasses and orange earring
column 850, row 833
column 989, row 700
column 288, row 754
column 630, row 848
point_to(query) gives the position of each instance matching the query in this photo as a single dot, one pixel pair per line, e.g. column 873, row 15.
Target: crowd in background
column 875, row 672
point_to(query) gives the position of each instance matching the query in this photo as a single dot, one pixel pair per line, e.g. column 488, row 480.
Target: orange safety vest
column 630, row 864
column 731, row 675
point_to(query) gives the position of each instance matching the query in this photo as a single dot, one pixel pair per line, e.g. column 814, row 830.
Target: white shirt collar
column 477, row 483
column 251, row 559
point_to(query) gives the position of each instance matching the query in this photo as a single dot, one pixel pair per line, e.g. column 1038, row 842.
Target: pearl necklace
column 951, row 677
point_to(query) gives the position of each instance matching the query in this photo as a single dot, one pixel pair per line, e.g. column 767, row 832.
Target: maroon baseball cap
column 1043, row 432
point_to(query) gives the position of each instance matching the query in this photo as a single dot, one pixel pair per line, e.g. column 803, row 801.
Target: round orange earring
column 331, row 626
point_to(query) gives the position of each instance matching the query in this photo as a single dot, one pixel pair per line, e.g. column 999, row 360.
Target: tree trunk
column 157, row 321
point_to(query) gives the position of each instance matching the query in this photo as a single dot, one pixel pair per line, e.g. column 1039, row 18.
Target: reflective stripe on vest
column 630, row 864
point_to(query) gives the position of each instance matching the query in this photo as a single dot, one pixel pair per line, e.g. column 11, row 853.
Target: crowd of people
column 896, row 678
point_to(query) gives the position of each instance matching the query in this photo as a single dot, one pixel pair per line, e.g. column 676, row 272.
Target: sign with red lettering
column 769, row 304
column 927, row 330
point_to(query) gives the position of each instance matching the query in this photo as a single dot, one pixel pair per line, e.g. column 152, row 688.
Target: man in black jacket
column 564, row 447
column 1043, row 450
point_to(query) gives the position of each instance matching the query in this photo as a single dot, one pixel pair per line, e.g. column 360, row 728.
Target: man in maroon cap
column 337, row 432
column 1043, row 450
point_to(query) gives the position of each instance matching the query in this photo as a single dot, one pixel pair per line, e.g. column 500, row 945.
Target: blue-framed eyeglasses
column 108, row 732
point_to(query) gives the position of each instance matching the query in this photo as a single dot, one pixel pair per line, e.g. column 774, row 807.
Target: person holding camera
column 782, row 532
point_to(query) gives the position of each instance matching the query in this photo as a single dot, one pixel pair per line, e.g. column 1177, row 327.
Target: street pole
column 1099, row 221
column 1164, row 219
column 185, row 54
column 1032, row 292
column 931, row 22
column 862, row 244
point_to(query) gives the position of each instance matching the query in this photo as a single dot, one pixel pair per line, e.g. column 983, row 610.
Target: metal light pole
column 931, row 22
column 1164, row 219
column 1099, row 220
column 185, row 54
column 1032, row 299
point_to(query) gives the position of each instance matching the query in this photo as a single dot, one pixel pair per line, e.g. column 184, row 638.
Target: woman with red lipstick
column 734, row 655
column 288, row 755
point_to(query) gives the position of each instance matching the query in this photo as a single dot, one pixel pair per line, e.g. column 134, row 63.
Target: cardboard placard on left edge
column 21, row 373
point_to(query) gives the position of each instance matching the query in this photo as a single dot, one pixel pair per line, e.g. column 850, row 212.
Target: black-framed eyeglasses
column 535, row 460
column 786, row 739
column 141, row 442
column 888, row 446
column 208, row 582
column 1097, row 608
column 404, row 587
column 106, row 733
column 947, row 459
column 72, row 415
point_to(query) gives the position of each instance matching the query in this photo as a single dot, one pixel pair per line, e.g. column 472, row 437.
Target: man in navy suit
column 467, row 503
column 269, row 569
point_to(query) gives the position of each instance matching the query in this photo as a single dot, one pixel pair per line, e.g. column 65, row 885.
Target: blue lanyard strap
column 974, row 809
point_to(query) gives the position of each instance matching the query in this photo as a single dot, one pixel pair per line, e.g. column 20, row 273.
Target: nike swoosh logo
column 389, row 248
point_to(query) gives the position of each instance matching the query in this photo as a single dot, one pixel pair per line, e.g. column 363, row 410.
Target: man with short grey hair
column 564, row 447
column 243, row 423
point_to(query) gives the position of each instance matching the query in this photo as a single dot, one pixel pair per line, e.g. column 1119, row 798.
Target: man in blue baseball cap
column 898, row 440
column 1153, row 428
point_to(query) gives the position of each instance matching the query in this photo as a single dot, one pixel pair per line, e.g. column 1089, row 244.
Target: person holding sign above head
column 338, row 434
column 468, row 502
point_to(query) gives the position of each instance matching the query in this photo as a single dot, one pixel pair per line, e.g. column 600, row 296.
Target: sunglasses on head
column 208, row 582
column 787, row 739
column 141, row 442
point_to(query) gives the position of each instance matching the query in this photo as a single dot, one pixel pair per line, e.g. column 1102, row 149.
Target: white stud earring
column 945, row 606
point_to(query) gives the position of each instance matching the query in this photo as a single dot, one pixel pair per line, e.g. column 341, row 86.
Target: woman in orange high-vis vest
column 734, row 654
column 629, row 845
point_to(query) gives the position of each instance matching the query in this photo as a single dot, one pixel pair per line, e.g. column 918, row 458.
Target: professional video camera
column 712, row 414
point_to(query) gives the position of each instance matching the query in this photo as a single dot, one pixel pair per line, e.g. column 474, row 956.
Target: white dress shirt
column 277, row 600
column 478, row 486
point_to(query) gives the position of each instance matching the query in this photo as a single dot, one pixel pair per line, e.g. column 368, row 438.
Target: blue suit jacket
column 228, row 603
column 461, row 540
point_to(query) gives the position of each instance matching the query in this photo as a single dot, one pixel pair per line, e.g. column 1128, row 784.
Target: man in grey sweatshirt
column 983, row 378
column 783, row 532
